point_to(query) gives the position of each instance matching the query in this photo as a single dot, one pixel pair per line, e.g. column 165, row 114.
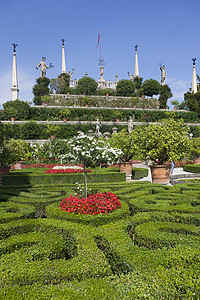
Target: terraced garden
column 147, row 249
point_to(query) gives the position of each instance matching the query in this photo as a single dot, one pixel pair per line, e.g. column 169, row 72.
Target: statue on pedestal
column 130, row 123
column 163, row 75
column 43, row 66
column 98, row 125
column 70, row 74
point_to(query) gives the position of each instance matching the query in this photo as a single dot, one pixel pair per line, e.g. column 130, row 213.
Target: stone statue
column 70, row 74
column 43, row 66
column 163, row 75
column 130, row 123
column 98, row 125
column 101, row 72
column 131, row 76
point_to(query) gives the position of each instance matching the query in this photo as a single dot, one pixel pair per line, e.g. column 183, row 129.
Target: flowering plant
column 91, row 152
column 66, row 169
column 94, row 204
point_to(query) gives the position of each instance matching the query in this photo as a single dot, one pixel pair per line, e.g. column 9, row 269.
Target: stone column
column 14, row 88
column 63, row 57
column 194, row 77
column 136, row 63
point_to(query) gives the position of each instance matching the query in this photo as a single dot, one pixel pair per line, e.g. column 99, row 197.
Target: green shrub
column 20, row 110
column 192, row 168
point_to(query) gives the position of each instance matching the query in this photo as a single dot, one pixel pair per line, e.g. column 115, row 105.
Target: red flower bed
column 94, row 204
column 61, row 171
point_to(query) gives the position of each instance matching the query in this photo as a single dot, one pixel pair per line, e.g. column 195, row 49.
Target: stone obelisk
column 194, row 77
column 14, row 88
column 136, row 62
column 63, row 57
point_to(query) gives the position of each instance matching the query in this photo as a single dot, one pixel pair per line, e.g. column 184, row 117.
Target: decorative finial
column 136, row 46
column 194, row 60
column 14, row 47
column 63, row 41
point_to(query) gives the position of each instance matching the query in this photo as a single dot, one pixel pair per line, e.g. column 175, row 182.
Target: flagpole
column 100, row 45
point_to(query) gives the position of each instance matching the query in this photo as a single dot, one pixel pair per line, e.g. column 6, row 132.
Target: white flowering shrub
column 90, row 151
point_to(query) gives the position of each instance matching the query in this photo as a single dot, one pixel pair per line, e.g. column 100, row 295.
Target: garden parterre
column 147, row 249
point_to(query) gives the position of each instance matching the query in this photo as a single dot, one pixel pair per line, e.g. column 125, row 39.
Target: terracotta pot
column 45, row 103
column 117, row 120
column 52, row 136
column 12, row 118
column 126, row 167
column 175, row 107
column 160, row 173
column 64, row 119
column 4, row 170
column 134, row 106
column 18, row 165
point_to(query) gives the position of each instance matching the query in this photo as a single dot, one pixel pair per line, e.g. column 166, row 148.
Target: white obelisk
column 194, row 77
column 63, row 57
column 14, row 88
column 136, row 62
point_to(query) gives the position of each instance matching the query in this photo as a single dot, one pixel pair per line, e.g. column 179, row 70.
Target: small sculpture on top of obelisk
column 136, row 62
column 63, row 56
column 194, row 77
column 14, row 88
column 43, row 66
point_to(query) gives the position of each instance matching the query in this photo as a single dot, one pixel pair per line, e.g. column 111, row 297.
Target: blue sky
column 166, row 32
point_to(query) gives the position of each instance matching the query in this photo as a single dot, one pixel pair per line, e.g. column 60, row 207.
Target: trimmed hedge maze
column 148, row 249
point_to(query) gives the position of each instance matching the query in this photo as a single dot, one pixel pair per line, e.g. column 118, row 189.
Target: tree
column 86, row 86
column 165, row 94
column 124, row 141
column 191, row 102
column 20, row 110
column 91, row 152
column 59, row 85
column 125, row 88
column 40, row 89
column 151, row 87
column 165, row 142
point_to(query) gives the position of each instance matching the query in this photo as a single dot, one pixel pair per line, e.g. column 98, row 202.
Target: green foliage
column 151, row 87
column 191, row 101
column 52, row 130
column 40, row 89
column 125, row 88
column 150, row 250
column 18, row 148
column 193, row 168
column 20, row 110
column 31, row 130
column 86, row 86
column 124, row 141
column 168, row 141
column 165, row 94
column 59, row 85
column 194, row 148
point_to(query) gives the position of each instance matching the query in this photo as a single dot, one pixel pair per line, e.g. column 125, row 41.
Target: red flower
column 99, row 203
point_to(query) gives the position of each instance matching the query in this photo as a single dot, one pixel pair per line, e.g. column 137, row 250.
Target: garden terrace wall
column 109, row 101
column 41, row 113
column 70, row 128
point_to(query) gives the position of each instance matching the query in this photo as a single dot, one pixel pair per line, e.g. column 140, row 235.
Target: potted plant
column 18, row 150
column 6, row 158
column 195, row 150
column 162, row 143
column 64, row 113
column 175, row 103
column 124, row 141
column 52, row 130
